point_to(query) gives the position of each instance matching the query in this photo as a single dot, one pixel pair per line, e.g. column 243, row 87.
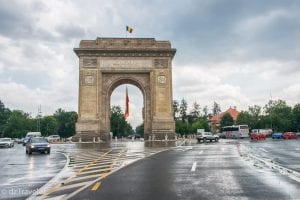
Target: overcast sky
column 235, row 52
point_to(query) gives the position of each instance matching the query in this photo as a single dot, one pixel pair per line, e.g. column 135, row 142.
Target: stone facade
column 106, row 63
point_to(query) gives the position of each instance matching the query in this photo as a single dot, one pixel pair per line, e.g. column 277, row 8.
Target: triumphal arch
column 106, row 63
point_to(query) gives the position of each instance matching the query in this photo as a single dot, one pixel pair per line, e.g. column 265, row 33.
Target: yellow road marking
column 96, row 186
column 55, row 188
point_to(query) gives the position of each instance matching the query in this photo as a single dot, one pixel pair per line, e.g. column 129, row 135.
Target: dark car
column 289, row 135
column 277, row 136
column 37, row 144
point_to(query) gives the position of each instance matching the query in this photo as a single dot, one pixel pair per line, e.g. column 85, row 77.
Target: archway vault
column 106, row 63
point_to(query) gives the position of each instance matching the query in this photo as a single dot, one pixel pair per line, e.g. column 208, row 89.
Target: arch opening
column 117, row 103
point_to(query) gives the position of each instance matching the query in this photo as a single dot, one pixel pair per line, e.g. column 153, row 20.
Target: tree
column 140, row 129
column 205, row 111
column 175, row 109
column 118, row 124
column 255, row 120
column 195, row 113
column 216, row 108
column 65, row 122
column 226, row 120
column 296, row 118
column 245, row 118
column 183, row 110
column 181, row 127
column 280, row 115
column 18, row 124
column 49, row 125
column 4, row 116
column 201, row 123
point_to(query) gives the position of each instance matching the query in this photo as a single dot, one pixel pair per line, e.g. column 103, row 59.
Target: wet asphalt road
column 21, row 174
column 205, row 171
column 283, row 152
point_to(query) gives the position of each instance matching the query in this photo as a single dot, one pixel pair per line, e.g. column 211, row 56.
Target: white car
column 207, row 136
column 53, row 138
column 6, row 142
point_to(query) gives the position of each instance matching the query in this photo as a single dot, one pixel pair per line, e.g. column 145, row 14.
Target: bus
column 235, row 131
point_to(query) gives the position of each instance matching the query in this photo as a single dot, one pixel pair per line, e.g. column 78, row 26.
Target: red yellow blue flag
column 129, row 29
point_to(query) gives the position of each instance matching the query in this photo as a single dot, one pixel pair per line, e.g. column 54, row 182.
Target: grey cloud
column 70, row 31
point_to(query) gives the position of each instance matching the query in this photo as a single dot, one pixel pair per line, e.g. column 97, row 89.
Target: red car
column 258, row 136
column 289, row 135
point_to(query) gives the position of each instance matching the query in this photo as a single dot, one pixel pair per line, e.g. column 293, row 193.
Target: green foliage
column 175, row 109
column 226, row 120
column 245, row 118
column 49, row 125
column 4, row 116
column 182, row 127
column 65, row 123
column 140, row 129
column 119, row 126
column 201, row 123
column 296, row 118
column 216, row 108
column 18, row 124
column 280, row 115
column 195, row 113
column 183, row 110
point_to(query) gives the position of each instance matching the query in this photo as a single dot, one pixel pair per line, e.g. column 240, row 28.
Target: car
column 19, row 141
column 204, row 136
column 289, row 135
column 53, row 138
column 6, row 142
column 134, row 136
column 257, row 136
column 38, row 144
column 222, row 135
column 33, row 134
column 277, row 136
column 25, row 140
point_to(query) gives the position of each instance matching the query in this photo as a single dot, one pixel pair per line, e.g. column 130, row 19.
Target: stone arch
column 104, row 64
column 141, row 81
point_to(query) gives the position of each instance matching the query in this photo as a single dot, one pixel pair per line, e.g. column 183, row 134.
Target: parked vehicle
column 207, row 136
column 37, row 144
column 134, row 136
column 257, row 136
column 53, row 138
column 235, row 131
column 277, row 136
column 289, row 135
column 19, row 141
column 25, row 140
column 266, row 132
column 33, row 134
column 6, row 142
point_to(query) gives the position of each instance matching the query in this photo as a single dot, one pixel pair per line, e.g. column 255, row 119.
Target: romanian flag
column 127, row 105
column 129, row 29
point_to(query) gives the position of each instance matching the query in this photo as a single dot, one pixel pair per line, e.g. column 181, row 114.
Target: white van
column 33, row 134
column 53, row 138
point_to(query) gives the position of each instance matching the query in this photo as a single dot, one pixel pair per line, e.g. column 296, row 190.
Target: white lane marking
column 263, row 149
column 297, row 149
column 194, row 167
column 201, row 152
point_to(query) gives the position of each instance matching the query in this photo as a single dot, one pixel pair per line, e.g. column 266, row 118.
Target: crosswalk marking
column 194, row 167
column 90, row 166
